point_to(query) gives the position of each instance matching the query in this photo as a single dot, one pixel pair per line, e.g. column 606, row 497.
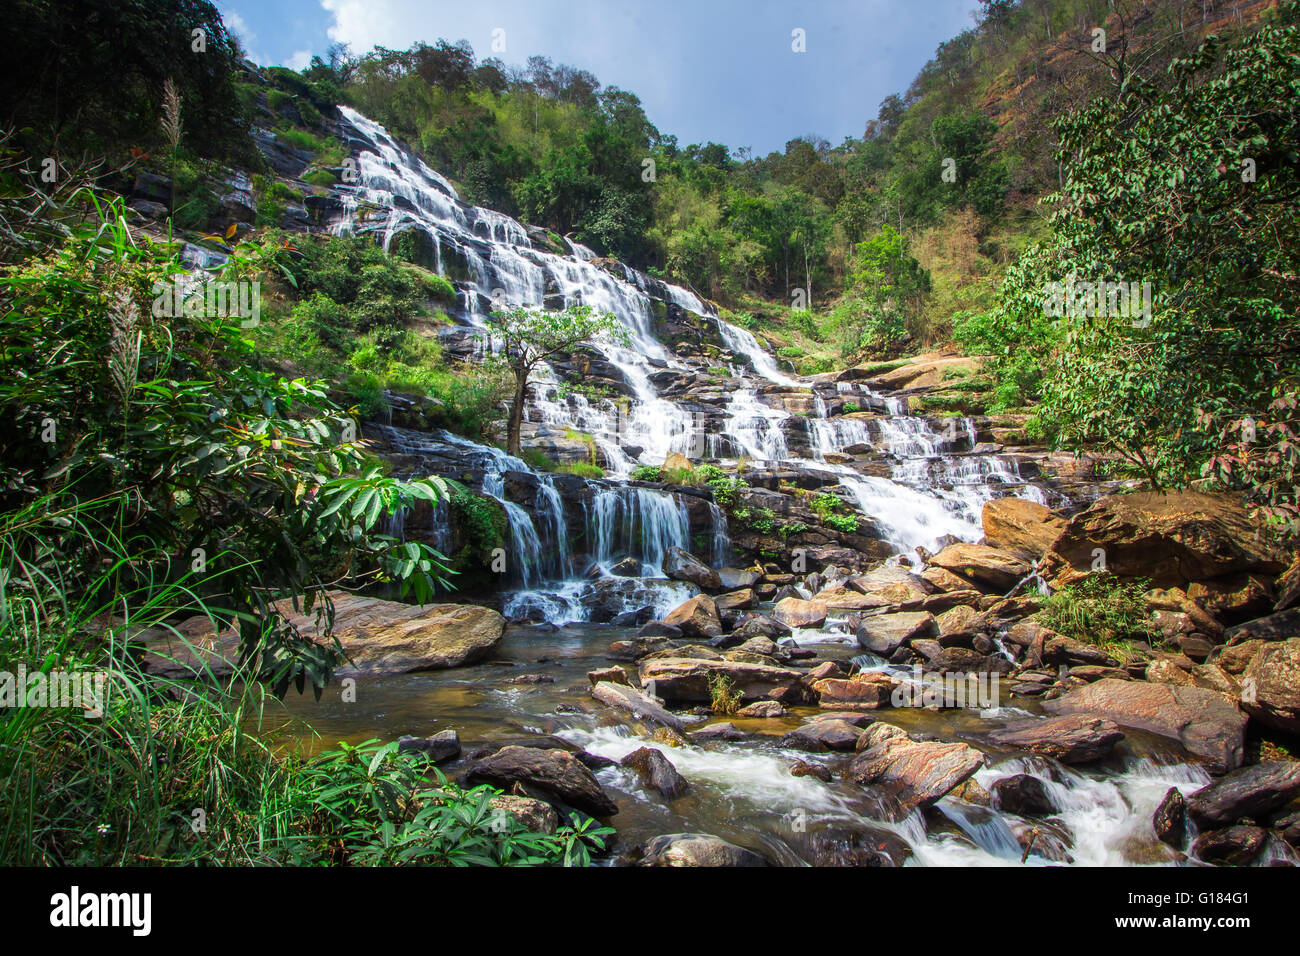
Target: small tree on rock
column 529, row 337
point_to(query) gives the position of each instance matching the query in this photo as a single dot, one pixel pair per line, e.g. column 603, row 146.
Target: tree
column 885, row 290
column 529, row 337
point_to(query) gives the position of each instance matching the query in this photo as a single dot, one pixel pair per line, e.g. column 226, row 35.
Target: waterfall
column 642, row 521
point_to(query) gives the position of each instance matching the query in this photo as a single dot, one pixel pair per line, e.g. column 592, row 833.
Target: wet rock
column 553, row 772
column 796, row 612
column 961, row 660
column 1249, row 792
column 640, row 647
column 1024, row 528
column 1168, row 672
column 657, row 772
column 1235, row 846
column 853, row 717
column 680, row 565
column 1071, row 739
column 803, row 768
column 653, row 629
column 723, row 730
column 441, row 747
column 687, row 680
column 1170, row 819
column 1204, row 722
column 821, row 735
column 839, row 845
column 760, row 625
column 945, row 580
column 1022, row 795
column 1059, row 649
column 860, row 692
column 637, row 704
column 761, row 709
column 991, row 568
column 613, row 675
column 1233, row 599
column 737, row 600
column 696, row 849
column 1170, row 539
column 735, row 578
column 918, row 773
column 536, row 816
column 827, row 669
column 627, row 568
column 884, row 633
column 972, row 793
column 696, row 617
column 959, row 620
column 877, row 733
column 1270, row 686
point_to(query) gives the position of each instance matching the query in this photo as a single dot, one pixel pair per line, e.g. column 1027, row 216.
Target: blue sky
column 721, row 70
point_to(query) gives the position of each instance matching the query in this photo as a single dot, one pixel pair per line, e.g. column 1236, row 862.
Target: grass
column 1103, row 610
column 725, row 699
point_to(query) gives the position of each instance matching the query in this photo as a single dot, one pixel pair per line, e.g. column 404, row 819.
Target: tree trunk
column 516, row 418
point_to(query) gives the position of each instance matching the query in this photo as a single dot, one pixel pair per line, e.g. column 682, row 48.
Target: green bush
column 1101, row 609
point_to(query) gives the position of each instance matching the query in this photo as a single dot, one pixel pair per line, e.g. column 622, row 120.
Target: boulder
column 1252, row 791
column 1270, row 686
column 697, row 617
column 796, row 612
column 657, row 772
column 536, row 816
column 1022, row 795
column 612, row 675
column 1204, row 722
column 761, row 710
column 1059, row 649
column 1022, row 527
column 637, row 704
column 681, row 565
column 759, row 625
column 696, row 849
column 686, row 680
column 744, row 599
column 1171, row 539
column 882, row 634
column 1071, row 739
column 991, row 568
column 553, row 772
column 1236, row 598
column 379, row 637
column 868, row 691
column 1235, row 846
column 441, row 747
column 1170, row 819
column 1281, row 626
column 734, row 578
column 723, row 730
column 918, row 773
column 802, row 768
column 820, row 735
column 957, row 620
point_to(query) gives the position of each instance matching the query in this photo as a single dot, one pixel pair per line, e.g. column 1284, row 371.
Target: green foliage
column 886, row 290
column 725, row 699
column 644, row 473
column 193, row 444
column 1100, row 609
column 829, row 508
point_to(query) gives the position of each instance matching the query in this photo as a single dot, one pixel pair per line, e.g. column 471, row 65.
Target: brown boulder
column 795, row 612
column 1072, row 739
column 680, row 679
column 1022, row 527
column 1270, row 686
column 918, row 773
column 1171, row 539
column 1204, row 722
column 553, row 772
column 697, row 617
column 990, row 568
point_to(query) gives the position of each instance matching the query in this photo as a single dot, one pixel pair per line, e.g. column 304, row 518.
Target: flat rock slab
column 820, row 735
column 681, row 679
column 554, row 772
column 380, row 637
column 919, row 773
column 883, row 634
column 637, row 704
column 1206, row 723
column 796, row 612
column 1072, row 738
column 1249, row 792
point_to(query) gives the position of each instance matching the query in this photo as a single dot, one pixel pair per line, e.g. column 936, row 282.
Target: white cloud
column 300, row 60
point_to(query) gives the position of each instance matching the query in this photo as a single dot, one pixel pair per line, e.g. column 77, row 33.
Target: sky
column 706, row 70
